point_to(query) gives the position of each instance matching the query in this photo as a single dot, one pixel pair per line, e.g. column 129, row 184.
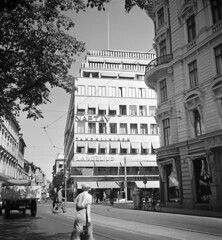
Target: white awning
column 107, row 184
column 113, row 107
column 145, row 145
column 155, row 145
column 92, row 105
column 81, row 144
column 124, row 144
column 107, row 163
column 109, row 74
column 149, row 163
column 114, row 144
column 127, row 75
column 93, row 185
column 133, row 164
column 112, row 60
column 135, row 145
column 82, row 106
column 92, row 144
column 149, row 184
column 102, row 107
column 102, row 144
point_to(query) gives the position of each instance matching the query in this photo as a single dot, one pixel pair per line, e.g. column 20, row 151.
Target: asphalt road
column 110, row 223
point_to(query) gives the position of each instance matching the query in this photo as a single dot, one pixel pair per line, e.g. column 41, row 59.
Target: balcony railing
column 159, row 61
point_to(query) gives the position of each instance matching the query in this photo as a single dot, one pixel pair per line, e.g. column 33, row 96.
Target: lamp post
column 125, row 182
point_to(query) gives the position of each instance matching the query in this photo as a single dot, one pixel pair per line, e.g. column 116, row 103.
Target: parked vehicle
column 19, row 195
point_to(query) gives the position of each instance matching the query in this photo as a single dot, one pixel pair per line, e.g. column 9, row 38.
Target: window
column 91, row 127
column 122, row 110
column 143, row 110
column 91, row 150
column 218, row 57
column 153, row 129
column 91, row 90
column 102, row 127
column 80, row 149
column 143, row 129
column 102, row 150
column 123, row 128
column 152, row 110
column 142, row 93
column 163, row 91
column 132, row 92
column 122, row 92
column 139, row 77
column 160, row 15
column 86, row 74
column 80, row 127
column 132, row 110
column 163, row 48
column 113, row 127
column 81, row 90
column 191, row 28
column 193, row 74
column 123, row 150
column 91, row 111
column 133, row 128
column 197, row 123
column 80, row 111
column 102, row 112
column 113, row 151
column 102, row 91
column 95, row 74
column 166, row 131
column 112, row 112
column 112, row 91
column 216, row 6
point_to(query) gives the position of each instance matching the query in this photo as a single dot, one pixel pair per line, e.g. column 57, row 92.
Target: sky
column 132, row 31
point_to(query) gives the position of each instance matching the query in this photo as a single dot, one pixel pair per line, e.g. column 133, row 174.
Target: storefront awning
column 133, row 164
column 146, row 145
column 114, row 144
column 103, row 107
column 82, row 164
column 124, row 144
column 92, row 144
column 107, row 164
column 155, row 145
column 148, row 163
column 107, row 184
column 135, row 145
column 81, row 144
column 149, row 184
column 112, row 107
column 93, row 185
column 109, row 74
column 102, row 144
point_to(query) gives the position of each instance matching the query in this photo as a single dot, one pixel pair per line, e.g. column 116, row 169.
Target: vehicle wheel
column 33, row 208
column 157, row 207
column 7, row 212
column 149, row 207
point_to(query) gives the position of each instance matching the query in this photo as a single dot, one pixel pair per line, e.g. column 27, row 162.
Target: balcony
column 156, row 69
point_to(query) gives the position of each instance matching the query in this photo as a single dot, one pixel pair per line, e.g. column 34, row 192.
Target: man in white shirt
column 83, row 214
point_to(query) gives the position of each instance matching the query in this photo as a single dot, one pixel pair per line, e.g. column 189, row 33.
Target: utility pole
column 125, row 182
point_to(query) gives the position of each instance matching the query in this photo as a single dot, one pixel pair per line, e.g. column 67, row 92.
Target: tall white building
column 111, row 134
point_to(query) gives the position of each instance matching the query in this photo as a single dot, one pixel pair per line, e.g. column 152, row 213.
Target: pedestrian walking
column 83, row 228
column 59, row 200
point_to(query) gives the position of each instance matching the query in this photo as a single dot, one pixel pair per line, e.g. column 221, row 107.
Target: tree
column 36, row 51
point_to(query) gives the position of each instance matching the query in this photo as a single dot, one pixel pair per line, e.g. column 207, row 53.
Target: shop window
column 172, row 183
column 203, row 178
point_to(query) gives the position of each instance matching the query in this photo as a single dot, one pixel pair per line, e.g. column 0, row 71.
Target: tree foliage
column 36, row 51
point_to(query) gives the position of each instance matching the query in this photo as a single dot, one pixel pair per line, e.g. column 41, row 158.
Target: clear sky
column 132, row 31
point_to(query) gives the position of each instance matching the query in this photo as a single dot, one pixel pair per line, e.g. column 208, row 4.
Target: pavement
column 129, row 205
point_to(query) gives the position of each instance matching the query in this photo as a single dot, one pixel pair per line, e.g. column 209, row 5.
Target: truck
column 18, row 194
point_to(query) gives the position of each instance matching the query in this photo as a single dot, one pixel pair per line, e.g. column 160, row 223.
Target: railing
column 159, row 61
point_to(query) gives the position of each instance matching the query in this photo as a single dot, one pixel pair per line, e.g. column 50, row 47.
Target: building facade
column 187, row 76
column 12, row 148
column 111, row 133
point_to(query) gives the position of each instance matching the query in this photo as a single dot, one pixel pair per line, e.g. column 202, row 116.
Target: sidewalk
column 129, row 205
column 194, row 212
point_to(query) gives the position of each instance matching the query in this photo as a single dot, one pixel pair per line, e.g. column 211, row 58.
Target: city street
column 110, row 223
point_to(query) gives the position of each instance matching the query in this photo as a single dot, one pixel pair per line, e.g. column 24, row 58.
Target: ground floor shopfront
column 191, row 173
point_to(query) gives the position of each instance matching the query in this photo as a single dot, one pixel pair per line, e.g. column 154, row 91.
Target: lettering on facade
column 94, row 158
column 94, row 118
